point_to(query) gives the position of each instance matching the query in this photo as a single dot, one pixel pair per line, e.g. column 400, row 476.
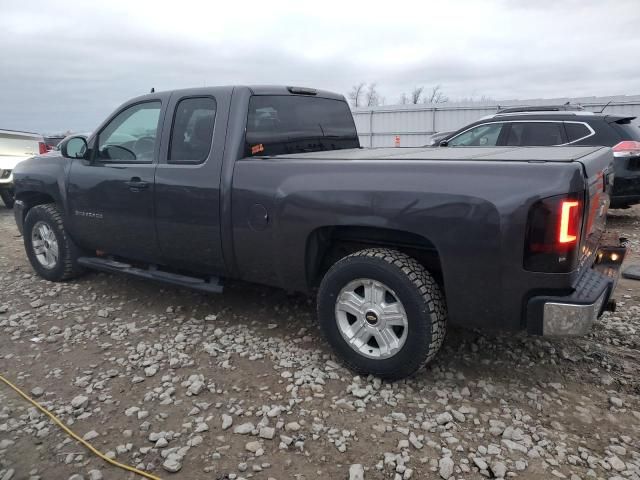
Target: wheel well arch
column 326, row 245
column 30, row 199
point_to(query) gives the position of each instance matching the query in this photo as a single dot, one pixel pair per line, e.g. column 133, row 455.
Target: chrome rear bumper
column 563, row 319
column 575, row 314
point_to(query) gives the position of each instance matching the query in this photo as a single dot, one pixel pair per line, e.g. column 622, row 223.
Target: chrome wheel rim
column 371, row 318
column 45, row 245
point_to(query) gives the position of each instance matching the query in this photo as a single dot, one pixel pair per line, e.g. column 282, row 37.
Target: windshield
column 279, row 124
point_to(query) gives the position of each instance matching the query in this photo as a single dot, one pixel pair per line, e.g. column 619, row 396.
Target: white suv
column 15, row 147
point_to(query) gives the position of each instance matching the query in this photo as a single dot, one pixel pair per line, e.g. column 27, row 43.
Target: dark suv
column 563, row 125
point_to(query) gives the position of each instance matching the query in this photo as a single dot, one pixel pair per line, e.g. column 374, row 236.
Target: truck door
column 187, row 181
column 110, row 195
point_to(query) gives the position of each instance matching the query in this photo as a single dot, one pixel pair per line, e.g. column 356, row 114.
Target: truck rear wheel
column 382, row 313
column 52, row 253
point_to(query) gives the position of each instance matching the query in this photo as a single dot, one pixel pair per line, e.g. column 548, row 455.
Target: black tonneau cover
column 514, row 154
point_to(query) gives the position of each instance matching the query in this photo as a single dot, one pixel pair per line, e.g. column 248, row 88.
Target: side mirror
column 444, row 143
column 74, row 147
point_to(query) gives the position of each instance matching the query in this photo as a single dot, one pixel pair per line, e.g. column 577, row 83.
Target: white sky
column 67, row 64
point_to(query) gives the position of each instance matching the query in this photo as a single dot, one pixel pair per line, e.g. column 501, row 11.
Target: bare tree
column 435, row 96
column 356, row 93
column 404, row 99
column 371, row 96
column 473, row 98
column 416, row 94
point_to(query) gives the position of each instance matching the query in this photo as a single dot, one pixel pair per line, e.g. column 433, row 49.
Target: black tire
column 7, row 198
column 414, row 287
column 66, row 266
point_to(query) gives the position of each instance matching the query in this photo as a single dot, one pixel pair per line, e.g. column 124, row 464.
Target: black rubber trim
column 587, row 290
column 212, row 285
column 18, row 213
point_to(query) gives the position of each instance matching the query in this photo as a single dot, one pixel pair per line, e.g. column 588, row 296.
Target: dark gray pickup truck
column 270, row 185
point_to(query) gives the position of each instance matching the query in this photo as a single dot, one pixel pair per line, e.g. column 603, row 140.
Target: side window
column 480, row 136
column 535, row 134
column 516, row 135
column 131, row 136
column 192, row 130
column 576, row 131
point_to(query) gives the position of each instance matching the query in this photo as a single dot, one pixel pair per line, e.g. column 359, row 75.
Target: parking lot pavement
column 241, row 385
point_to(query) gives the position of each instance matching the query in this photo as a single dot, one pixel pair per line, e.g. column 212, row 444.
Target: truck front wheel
column 382, row 312
column 52, row 253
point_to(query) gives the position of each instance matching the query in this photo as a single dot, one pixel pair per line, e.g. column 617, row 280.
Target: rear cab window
column 282, row 124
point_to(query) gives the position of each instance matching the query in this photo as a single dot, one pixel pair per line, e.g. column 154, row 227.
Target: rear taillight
column 627, row 148
column 553, row 234
column 42, row 147
column 569, row 222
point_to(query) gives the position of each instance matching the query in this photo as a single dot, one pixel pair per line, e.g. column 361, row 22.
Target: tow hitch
column 609, row 258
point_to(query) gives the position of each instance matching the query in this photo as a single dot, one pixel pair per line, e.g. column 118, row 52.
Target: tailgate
column 598, row 168
column 20, row 145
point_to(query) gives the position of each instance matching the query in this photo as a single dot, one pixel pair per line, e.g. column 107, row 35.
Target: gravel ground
column 241, row 385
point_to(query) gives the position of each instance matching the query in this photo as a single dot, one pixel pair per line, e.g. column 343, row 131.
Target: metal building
column 411, row 125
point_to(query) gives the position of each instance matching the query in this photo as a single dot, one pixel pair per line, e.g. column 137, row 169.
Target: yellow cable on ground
column 76, row 437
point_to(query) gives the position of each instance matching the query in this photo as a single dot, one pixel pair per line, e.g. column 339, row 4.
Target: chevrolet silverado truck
column 270, row 185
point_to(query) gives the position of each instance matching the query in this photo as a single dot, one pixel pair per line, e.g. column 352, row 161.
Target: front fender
column 42, row 176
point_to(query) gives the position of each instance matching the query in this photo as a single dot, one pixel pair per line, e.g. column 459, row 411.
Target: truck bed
column 511, row 154
column 470, row 205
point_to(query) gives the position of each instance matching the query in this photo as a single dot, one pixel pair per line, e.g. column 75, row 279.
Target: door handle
column 136, row 184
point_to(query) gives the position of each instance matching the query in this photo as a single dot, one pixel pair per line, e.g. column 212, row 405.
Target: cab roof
column 254, row 89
